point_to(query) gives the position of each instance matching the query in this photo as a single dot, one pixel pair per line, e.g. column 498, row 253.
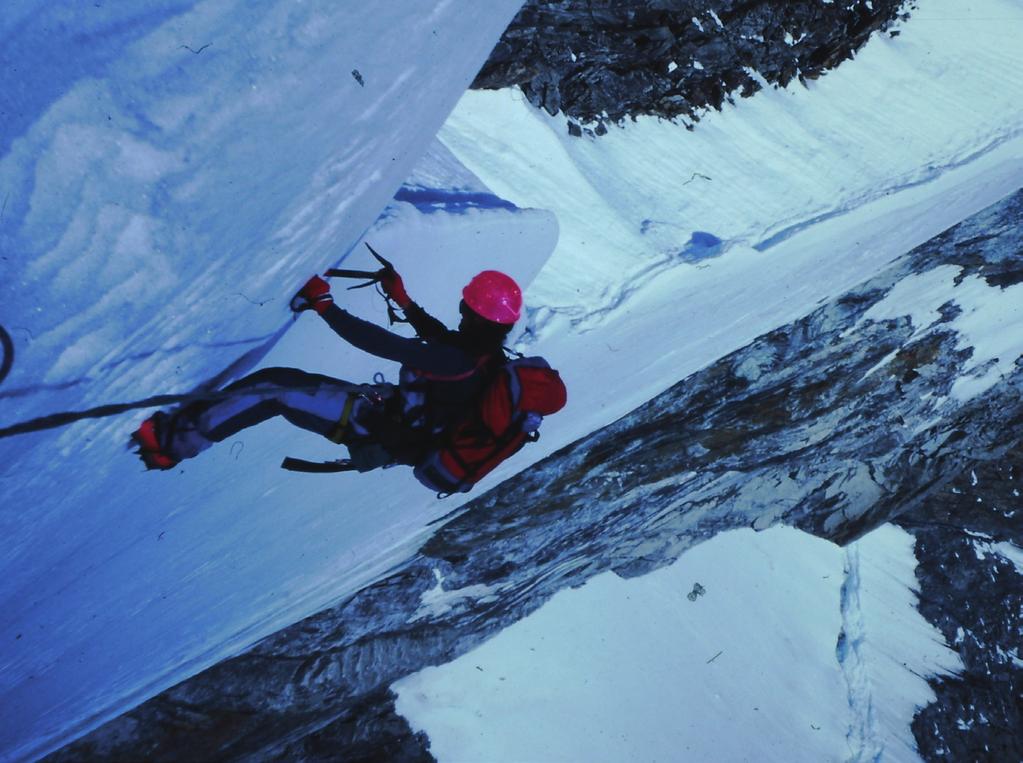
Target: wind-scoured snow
column 202, row 155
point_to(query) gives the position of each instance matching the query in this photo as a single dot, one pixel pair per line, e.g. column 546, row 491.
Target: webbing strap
column 483, row 360
column 337, row 434
column 317, row 467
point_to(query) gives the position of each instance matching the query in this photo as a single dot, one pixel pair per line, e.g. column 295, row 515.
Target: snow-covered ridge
column 906, row 112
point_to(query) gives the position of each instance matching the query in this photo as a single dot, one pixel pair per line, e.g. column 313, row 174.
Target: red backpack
column 506, row 417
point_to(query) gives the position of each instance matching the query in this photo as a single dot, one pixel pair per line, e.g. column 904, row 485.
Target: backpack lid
column 523, row 386
column 541, row 390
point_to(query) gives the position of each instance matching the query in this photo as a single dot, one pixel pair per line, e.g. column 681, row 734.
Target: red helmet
column 494, row 296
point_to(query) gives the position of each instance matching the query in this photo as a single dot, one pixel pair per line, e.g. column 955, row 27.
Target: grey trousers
column 311, row 401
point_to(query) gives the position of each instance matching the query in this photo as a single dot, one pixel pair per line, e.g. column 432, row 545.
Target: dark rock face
column 974, row 595
column 604, row 60
column 835, row 423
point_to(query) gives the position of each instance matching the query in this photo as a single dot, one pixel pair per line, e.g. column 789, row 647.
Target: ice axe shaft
column 373, row 276
column 317, row 467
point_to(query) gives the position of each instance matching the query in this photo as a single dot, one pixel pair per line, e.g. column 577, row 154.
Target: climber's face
column 469, row 318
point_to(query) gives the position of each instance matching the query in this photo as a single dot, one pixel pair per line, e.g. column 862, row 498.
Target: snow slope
column 729, row 655
column 117, row 584
column 810, row 190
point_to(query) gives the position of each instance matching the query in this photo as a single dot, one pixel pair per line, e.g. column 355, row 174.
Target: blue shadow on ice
column 43, row 55
column 430, row 200
column 701, row 246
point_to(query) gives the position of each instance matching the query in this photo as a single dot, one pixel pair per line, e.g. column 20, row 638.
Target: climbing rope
column 8, row 356
column 63, row 418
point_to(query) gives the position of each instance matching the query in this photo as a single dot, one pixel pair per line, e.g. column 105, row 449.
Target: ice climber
column 460, row 407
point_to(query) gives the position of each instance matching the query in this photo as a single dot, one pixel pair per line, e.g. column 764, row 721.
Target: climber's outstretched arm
column 427, row 356
column 432, row 357
column 426, row 326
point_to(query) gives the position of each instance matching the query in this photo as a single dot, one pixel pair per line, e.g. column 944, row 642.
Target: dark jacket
column 443, row 375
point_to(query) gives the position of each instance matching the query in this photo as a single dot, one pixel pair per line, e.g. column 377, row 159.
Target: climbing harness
column 339, row 435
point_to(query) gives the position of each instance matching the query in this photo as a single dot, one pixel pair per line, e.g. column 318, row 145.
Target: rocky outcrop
column 604, row 60
column 835, row 423
column 972, row 591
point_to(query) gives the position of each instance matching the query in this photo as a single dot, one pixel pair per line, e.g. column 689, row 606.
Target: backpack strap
column 481, row 361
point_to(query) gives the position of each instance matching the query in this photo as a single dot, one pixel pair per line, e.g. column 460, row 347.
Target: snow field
column 644, row 669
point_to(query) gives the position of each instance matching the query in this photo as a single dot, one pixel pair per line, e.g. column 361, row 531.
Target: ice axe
column 373, row 277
